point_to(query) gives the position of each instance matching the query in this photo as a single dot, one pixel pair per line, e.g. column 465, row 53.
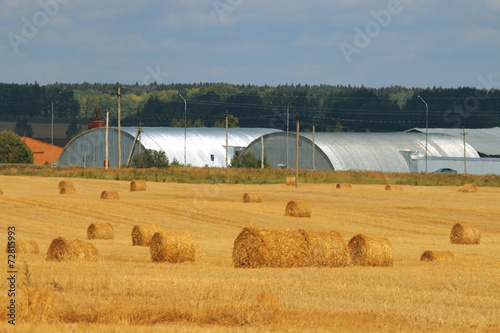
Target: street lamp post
column 52, row 134
column 426, row 129
column 287, row 127
column 185, row 124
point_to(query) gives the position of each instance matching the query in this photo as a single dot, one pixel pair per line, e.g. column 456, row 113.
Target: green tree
column 338, row 127
column 248, row 160
column 13, row 149
column 23, row 128
column 232, row 122
column 151, row 159
column 73, row 129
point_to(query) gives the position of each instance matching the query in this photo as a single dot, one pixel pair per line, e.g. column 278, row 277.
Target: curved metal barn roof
column 201, row 143
column 382, row 151
column 386, row 152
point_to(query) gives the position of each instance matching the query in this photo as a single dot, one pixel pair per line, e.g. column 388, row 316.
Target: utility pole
column 185, row 125
column 314, row 147
column 465, row 151
column 52, row 133
column 297, row 154
column 106, row 163
column 119, row 130
column 227, row 141
column 287, row 125
column 426, row 129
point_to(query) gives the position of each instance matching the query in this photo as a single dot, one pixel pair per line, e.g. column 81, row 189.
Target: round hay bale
column 111, row 195
column 142, row 234
column 65, row 183
column 393, row 187
column 255, row 248
column 28, row 246
column 252, row 198
column 172, row 247
column 465, row 234
column 468, row 188
column 62, row 249
column 326, row 249
column 370, row 251
column 437, row 256
column 100, row 231
column 344, row 185
column 297, row 208
column 138, row 185
column 290, row 181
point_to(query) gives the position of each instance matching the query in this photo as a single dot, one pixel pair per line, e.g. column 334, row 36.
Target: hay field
column 126, row 292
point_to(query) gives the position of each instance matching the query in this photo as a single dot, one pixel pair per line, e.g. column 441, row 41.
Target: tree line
column 329, row 107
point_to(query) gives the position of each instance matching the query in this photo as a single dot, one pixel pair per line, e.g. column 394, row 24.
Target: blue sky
column 350, row 42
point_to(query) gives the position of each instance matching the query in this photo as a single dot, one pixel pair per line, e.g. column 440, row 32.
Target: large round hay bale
column 437, row 256
column 326, row 249
column 298, row 208
column 28, row 246
column 290, row 181
column 112, row 195
column 252, row 198
column 142, row 234
column 344, row 185
column 462, row 233
column 468, row 188
column 393, row 187
column 62, row 249
column 172, row 247
column 138, row 185
column 100, row 231
column 255, row 248
column 370, row 251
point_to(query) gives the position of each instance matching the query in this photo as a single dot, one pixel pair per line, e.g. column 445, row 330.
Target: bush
column 151, row 159
column 13, row 149
column 248, row 160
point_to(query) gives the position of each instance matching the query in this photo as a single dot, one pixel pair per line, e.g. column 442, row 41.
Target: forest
column 330, row 108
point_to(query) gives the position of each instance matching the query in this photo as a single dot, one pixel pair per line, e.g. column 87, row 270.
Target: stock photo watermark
column 363, row 37
column 222, row 7
column 470, row 104
column 30, row 27
column 155, row 75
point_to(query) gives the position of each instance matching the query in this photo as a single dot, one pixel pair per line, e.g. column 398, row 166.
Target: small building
column 43, row 153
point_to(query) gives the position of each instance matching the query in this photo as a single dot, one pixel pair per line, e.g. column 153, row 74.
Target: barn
column 386, row 152
column 200, row 146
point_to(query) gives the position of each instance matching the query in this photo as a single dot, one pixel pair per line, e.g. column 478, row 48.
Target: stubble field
column 127, row 292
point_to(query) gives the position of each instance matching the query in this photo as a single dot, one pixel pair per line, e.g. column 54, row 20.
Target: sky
column 385, row 43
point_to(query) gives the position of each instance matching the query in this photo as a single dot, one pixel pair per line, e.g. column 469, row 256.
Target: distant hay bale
column 66, row 187
column 100, row 231
column 468, row 188
column 138, row 185
column 112, row 195
column 326, row 249
column 370, row 251
column 252, row 198
column 142, row 234
column 465, row 234
column 255, row 248
column 172, row 247
column 62, row 249
column 437, row 256
column 290, row 181
column 28, row 246
column 297, row 208
column 344, row 185
column 393, row 187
